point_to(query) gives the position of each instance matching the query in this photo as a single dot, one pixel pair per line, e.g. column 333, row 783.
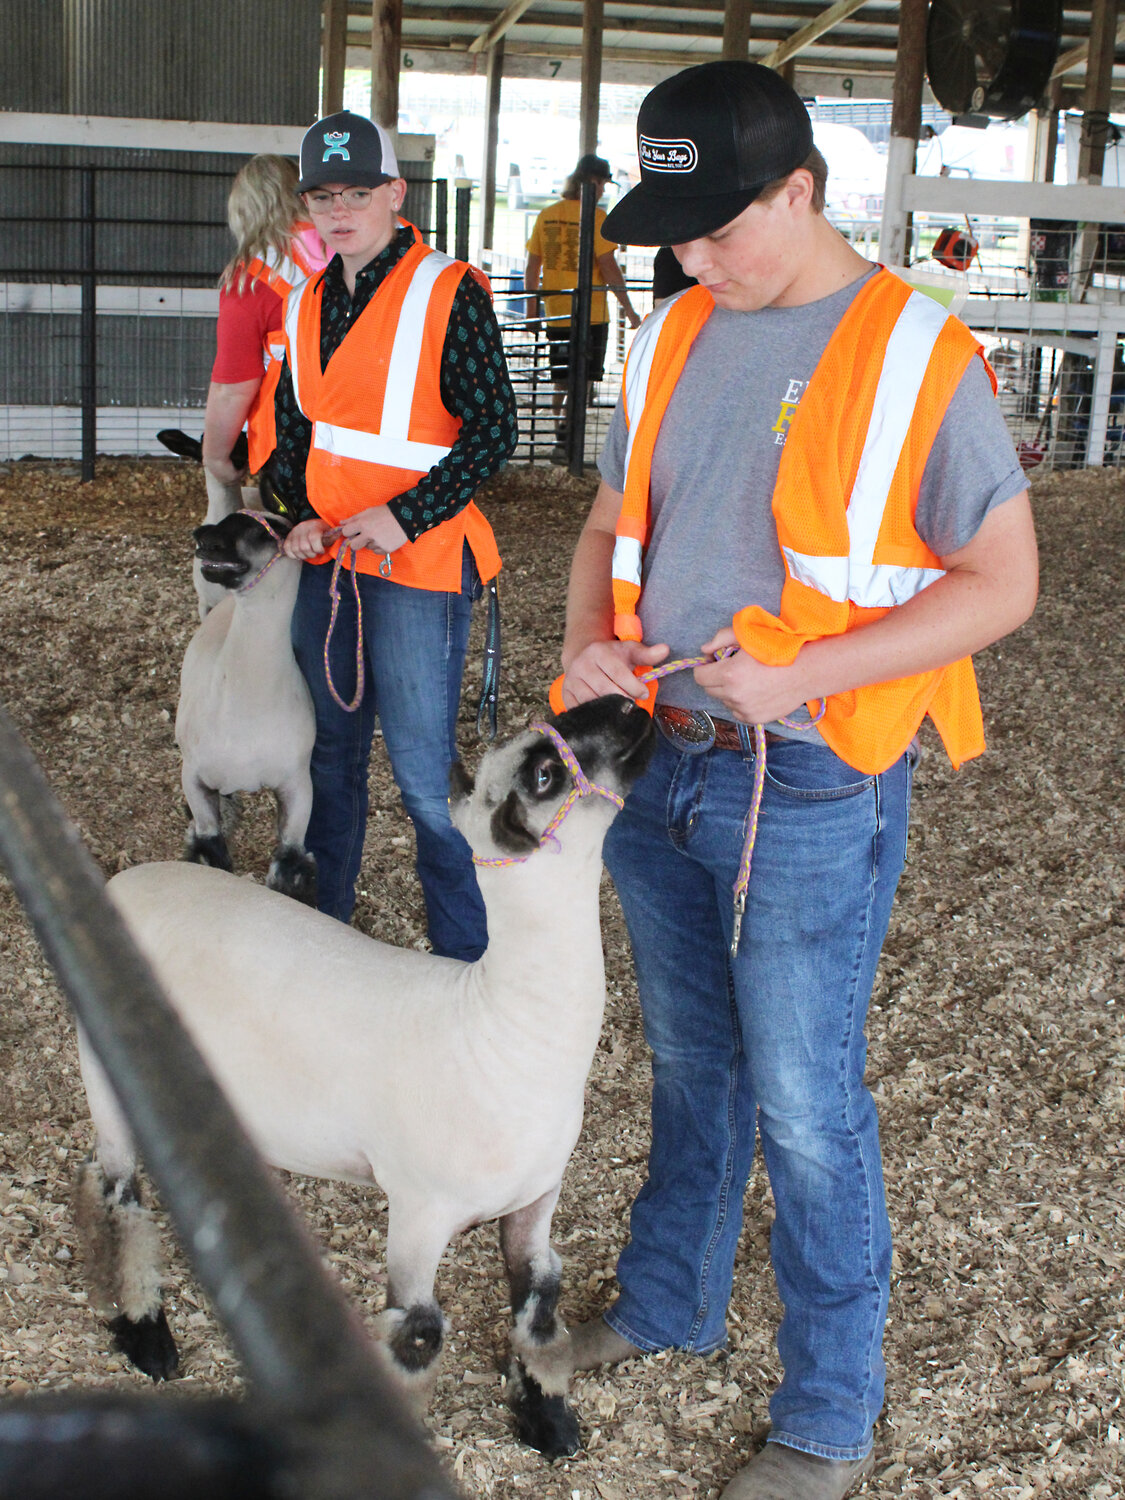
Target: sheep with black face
column 458, row 1087
column 245, row 719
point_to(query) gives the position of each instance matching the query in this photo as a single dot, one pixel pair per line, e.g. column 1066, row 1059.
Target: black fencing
column 321, row 1422
column 69, row 347
column 84, row 225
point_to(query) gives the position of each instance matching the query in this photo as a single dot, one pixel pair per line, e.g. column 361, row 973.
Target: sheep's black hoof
column 547, row 1423
column 147, row 1343
column 416, row 1341
column 293, row 873
column 210, row 850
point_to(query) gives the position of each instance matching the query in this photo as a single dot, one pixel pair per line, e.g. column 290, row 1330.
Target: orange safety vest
column 379, row 424
column 280, row 274
column 843, row 502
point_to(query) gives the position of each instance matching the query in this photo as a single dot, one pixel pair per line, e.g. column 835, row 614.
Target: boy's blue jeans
column 770, row 1042
column 414, row 655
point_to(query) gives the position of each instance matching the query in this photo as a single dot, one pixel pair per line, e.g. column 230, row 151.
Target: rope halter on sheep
column 757, row 746
column 583, row 787
column 264, row 519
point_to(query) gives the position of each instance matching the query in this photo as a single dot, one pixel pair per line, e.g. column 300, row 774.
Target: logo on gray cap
column 336, row 143
column 667, row 155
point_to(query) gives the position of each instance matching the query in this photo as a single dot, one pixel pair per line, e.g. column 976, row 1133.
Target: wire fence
column 102, row 346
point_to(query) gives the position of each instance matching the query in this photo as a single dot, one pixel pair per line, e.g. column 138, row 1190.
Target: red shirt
column 245, row 318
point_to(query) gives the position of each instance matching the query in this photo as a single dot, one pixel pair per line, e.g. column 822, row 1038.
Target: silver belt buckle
column 695, row 737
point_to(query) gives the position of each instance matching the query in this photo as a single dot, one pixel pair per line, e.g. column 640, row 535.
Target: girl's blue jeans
column 414, row 644
column 768, row 1044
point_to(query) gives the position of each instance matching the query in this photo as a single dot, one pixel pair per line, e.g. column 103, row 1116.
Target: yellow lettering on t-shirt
column 784, row 417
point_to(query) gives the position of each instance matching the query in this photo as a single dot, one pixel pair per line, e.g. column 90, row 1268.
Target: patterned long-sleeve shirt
column 474, row 387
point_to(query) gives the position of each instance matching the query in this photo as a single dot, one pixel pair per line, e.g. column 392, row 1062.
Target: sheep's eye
column 544, row 777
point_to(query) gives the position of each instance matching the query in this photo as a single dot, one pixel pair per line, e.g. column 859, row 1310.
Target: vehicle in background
column 857, row 173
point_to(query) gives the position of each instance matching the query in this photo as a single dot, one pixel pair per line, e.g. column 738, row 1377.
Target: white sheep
column 458, row 1087
column 245, row 718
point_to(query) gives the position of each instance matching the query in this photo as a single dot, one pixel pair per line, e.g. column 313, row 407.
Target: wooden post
column 737, row 15
column 906, row 120
column 593, row 16
column 1096, row 97
column 494, row 78
column 386, row 45
column 334, row 52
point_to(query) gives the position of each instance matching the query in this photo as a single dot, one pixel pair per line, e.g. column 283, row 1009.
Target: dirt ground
column 997, row 1052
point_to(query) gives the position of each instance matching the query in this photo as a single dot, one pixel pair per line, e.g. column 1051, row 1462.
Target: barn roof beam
column 1077, row 56
column 672, row 56
column 864, row 38
column 500, row 26
column 827, row 21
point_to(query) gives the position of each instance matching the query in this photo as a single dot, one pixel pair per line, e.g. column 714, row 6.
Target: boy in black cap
column 393, row 406
column 552, row 262
column 809, row 484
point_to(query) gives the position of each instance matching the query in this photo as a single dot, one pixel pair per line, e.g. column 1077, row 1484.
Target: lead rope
column 742, row 879
column 583, row 787
column 334, row 590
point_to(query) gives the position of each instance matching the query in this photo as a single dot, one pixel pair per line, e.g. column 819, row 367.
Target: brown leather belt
column 690, row 729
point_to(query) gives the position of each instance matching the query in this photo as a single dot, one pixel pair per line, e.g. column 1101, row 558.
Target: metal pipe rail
column 321, row 1410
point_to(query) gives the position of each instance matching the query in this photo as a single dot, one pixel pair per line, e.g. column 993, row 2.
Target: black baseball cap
column 709, row 140
column 346, row 148
column 591, row 165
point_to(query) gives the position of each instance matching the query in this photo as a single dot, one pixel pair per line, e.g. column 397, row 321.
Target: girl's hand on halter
column 754, row 694
column 376, row 528
column 607, row 667
column 306, row 539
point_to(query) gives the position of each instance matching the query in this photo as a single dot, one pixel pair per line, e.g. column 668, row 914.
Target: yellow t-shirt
column 554, row 239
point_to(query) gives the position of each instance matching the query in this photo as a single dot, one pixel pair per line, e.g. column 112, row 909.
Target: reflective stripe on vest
column 391, row 445
column 857, row 578
column 628, row 551
column 281, row 273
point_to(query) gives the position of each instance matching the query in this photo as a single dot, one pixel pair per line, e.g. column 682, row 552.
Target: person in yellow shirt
column 552, row 264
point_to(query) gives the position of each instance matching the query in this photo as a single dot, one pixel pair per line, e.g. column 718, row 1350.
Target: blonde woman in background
column 276, row 247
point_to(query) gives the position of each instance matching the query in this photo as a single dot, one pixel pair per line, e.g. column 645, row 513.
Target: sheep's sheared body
column 458, row 1087
column 349, row 1058
column 245, row 718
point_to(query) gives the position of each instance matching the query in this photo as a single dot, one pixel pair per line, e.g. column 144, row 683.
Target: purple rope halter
column 583, row 787
column 264, row 519
column 742, row 879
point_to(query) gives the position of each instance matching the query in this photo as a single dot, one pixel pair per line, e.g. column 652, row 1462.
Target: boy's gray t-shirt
column 713, row 545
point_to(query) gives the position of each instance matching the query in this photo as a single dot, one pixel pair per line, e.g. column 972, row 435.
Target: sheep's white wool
column 458, row 1087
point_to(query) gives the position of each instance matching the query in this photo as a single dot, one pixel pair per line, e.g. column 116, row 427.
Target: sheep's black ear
column 509, row 831
column 180, row 444
column 461, row 783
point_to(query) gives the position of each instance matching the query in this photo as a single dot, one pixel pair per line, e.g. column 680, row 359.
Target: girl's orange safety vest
column 377, row 415
column 280, row 274
column 843, row 502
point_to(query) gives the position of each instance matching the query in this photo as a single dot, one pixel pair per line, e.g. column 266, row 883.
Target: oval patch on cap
column 667, row 155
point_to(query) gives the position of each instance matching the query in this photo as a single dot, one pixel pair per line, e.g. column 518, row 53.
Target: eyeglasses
column 320, row 200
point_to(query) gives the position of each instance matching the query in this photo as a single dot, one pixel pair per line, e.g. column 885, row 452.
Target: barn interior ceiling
column 847, row 48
